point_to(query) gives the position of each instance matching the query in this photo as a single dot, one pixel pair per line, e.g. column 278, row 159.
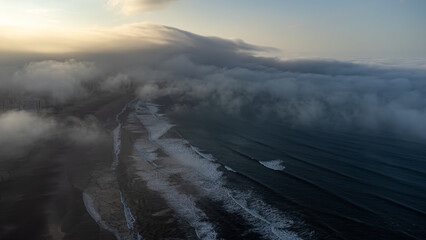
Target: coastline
column 45, row 187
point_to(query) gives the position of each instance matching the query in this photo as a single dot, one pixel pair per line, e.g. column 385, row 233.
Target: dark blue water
column 345, row 184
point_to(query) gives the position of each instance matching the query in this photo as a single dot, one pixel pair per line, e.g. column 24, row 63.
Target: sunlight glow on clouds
column 128, row 7
column 126, row 37
column 330, row 29
column 56, row 40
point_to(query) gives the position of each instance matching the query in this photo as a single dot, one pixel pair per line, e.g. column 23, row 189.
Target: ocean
column 308, row 183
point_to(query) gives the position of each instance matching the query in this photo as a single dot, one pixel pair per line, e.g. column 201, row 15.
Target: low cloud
column 59, row 80
column 128, row 7
column 21, row 131
column 303, row 93
column 117, row 83
column 83, row 132
column 197, row 71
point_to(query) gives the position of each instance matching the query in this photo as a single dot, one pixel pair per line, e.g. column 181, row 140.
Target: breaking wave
column 276, row 165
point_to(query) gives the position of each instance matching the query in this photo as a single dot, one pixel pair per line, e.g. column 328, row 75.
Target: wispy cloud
column 128, row 7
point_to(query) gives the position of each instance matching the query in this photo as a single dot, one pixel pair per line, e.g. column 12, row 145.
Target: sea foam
column 199, row 171
column 276, row 165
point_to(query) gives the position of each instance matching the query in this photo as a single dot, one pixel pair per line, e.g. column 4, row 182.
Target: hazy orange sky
column 328, row 29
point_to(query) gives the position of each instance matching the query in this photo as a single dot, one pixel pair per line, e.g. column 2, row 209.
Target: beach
column 41, row 192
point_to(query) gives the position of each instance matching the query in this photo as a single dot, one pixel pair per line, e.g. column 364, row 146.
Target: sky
column 298, row 28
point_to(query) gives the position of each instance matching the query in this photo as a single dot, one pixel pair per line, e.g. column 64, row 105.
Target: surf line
column 255, row 215
column 130, row 219
column 88, row 203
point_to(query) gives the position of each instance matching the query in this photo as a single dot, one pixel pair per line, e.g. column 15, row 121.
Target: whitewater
column 187, row 179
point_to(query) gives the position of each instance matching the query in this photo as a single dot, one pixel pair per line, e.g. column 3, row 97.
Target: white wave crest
column 127, row 213
column 230, row 169
column 157, row 126
column 276, row 165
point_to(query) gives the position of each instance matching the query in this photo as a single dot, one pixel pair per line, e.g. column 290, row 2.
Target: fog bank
column 21, row 131
column 198, row 71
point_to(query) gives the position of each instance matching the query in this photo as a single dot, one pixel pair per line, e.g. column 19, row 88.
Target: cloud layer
column 59, row 80
column 197, row 71
column 301, row 93
column 95, row 40
column 20, row 131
